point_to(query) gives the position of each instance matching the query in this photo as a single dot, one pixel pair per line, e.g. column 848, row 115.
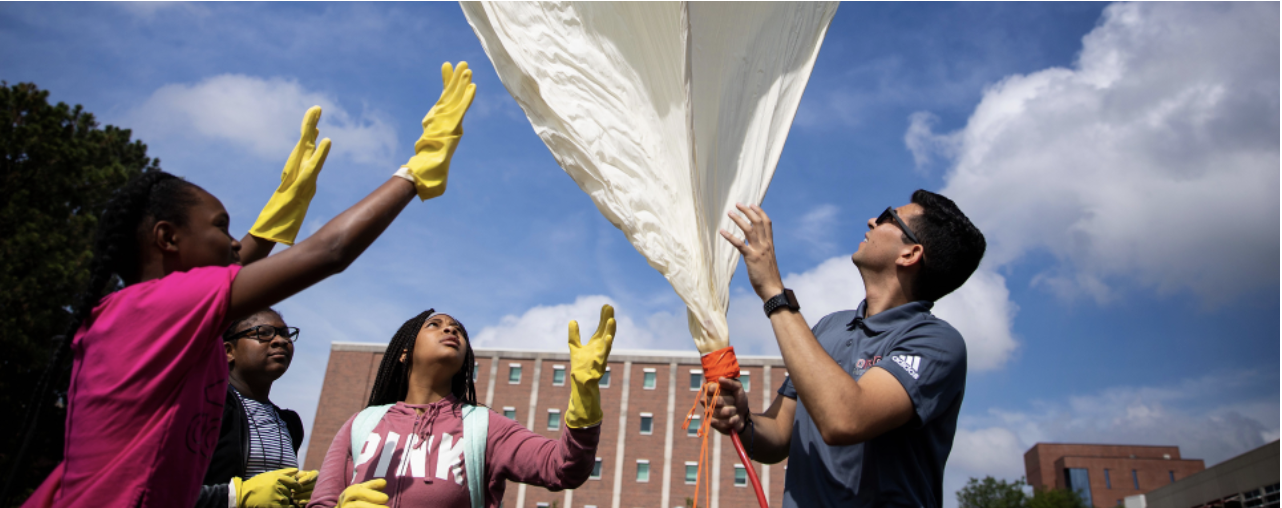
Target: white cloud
column 1153, row 160
column 991, row 451
column 981, row 310
column 262, row 116
column 147, row 11
column 816, row 228
column 546, row 328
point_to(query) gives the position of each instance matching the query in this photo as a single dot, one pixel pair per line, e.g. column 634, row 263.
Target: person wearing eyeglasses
column 255, row 464
column 869, row 410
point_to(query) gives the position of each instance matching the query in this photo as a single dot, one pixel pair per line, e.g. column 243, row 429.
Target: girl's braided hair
column 392, row 383
column 150, row 197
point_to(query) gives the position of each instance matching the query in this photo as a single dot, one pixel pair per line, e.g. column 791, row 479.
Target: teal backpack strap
column 362, row 426
column 476, row 428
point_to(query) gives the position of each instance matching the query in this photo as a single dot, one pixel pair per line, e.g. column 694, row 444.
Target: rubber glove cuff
column 266, row 490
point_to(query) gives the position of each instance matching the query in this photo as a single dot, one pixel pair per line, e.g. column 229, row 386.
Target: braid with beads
column 392, row 382
column 150, row 197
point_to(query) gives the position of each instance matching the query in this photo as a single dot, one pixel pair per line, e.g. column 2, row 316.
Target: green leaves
column 993, row 493
column 58, row 170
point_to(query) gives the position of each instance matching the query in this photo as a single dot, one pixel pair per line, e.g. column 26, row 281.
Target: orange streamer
column 718, row 364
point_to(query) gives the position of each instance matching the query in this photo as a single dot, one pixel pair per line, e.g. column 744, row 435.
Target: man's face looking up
column 884, row 243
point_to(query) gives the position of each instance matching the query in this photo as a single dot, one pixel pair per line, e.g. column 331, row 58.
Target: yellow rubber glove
column 283, row 216
column 267, row 490
column 587, row 365
column 442, row 128
column 306, row 482
column 364, row 495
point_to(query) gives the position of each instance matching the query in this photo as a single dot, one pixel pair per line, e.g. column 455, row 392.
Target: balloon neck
column 721, row 363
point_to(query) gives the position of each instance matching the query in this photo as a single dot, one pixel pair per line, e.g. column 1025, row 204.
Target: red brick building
column 650, row 464
column 1106, row 474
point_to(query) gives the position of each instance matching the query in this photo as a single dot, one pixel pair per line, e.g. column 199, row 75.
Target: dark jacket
column 231, row 457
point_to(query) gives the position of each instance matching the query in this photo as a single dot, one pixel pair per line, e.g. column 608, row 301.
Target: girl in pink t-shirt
column 149, row 376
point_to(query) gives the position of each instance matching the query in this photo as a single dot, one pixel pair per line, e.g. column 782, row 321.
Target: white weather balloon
column 665, row 113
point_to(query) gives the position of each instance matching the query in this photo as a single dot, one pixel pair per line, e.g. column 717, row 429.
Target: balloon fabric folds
column 665, row 113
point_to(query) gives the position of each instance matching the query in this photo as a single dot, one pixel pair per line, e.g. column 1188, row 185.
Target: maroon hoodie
column 421, row 456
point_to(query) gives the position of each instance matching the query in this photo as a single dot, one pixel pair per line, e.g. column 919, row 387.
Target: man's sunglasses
column 889, row 215
column 265, row 333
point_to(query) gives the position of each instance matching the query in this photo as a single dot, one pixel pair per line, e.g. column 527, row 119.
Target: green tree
column 1057, row 498
column 992, row 493
column 59, row 169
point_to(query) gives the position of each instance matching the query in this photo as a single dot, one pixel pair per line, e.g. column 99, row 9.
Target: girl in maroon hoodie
column 414, row 455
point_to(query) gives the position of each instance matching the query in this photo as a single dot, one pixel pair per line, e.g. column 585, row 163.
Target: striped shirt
column 270, row 444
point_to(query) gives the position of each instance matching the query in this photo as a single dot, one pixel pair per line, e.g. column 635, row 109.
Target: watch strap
column 784, row 299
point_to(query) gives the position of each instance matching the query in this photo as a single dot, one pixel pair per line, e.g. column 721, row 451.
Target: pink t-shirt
column 147, row 388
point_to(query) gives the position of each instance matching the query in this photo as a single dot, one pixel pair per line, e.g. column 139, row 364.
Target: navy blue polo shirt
column 905, row 466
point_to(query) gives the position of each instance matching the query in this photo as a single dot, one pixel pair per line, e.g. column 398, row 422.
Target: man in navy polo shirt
column 868, row 413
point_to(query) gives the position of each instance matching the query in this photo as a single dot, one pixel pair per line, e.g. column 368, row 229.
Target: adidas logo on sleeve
column 909, row 363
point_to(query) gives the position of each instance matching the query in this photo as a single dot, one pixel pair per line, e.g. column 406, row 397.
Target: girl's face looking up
column 440, row 342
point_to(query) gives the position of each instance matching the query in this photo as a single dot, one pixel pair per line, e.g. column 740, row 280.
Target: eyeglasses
column 265, row 333
column 890, row 214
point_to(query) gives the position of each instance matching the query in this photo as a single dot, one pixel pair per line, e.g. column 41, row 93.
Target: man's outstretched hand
column 758, row 249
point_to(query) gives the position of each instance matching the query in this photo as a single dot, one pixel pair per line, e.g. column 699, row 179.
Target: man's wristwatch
column 784, row 299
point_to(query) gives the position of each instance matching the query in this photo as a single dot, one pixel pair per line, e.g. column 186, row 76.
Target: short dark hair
column 237, row 325
column 953, row 246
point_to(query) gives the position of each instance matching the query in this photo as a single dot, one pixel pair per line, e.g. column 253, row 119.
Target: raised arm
column 846, row 411
column 336, row 245
column 329, row 251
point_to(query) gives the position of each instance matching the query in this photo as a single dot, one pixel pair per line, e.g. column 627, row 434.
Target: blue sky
column 1121, row 159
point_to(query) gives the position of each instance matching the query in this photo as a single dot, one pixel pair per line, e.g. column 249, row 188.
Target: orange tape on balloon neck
column 719, row 364
column 716, row 365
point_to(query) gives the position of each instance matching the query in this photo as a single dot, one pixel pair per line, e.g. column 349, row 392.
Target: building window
column 605, row 379
column 554, row 419
column 514, row 373
column 558, row 375
column 746, row 379
column 693, row 429
column 692, row 473
column 1172, row 476
column 1079, row 481
column 540, row 505
column 596, row 470
column 647, row 423
column 476, row 369
column 1135, row 478
column 643, row 471
column 648, row 380
column 696, row 380
column 740, row 476
column 509, row 412
column 1108, row 482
